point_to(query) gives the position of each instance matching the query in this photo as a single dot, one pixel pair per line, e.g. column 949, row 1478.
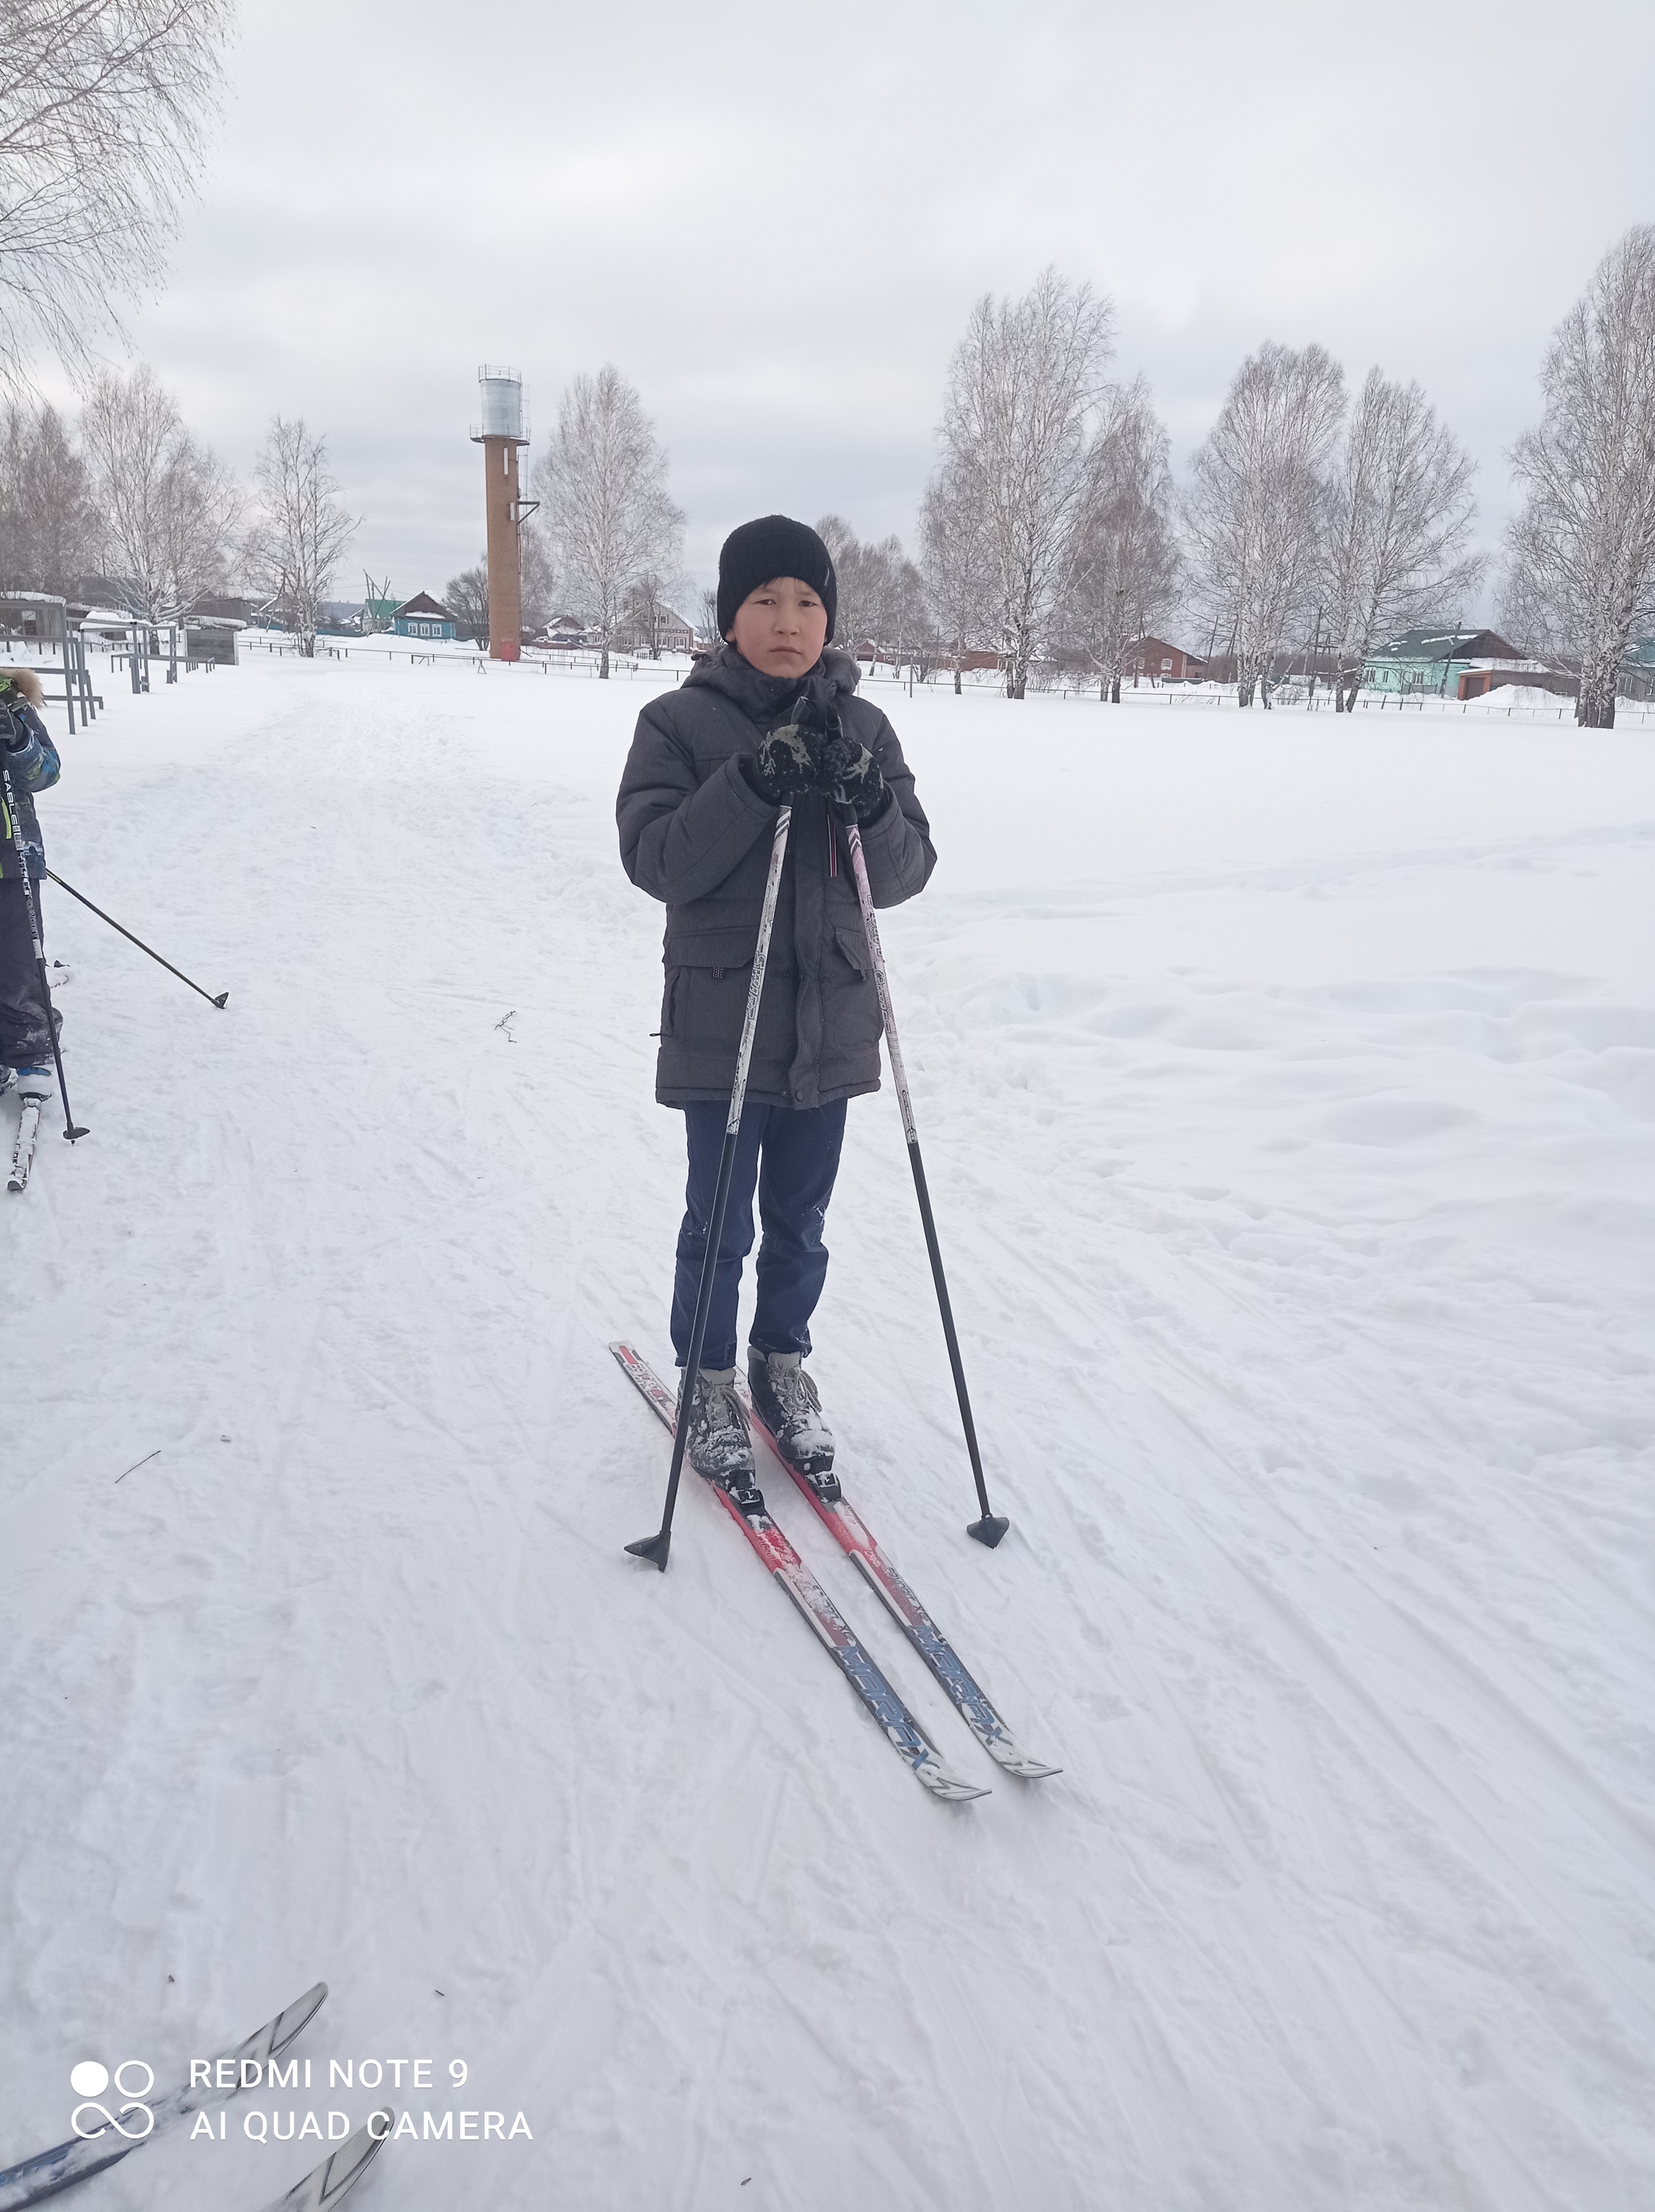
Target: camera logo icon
column 89, row 2081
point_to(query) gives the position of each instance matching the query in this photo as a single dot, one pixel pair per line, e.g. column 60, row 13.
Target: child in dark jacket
column 769, row 717
column 31, row 762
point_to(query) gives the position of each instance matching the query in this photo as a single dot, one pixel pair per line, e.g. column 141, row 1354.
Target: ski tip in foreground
column 653, row 1548
column 297, row 2017
column 941, row 1783
column 1026, row 1769
column 327, row 2183
column 989, row 1529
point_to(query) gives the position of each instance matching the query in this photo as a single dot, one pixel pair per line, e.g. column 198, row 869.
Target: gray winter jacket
column 695, row 835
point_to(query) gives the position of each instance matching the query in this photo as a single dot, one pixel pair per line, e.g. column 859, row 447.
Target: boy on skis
column 31, row 764
column 769, row 718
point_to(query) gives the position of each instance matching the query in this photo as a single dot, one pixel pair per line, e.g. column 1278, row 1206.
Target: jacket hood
column 764, row 698
column 25, row 681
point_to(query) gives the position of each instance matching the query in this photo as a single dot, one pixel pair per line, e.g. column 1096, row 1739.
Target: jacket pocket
column 853, row 943
column 708, row 974
column 851, row 1023
column 719, row 949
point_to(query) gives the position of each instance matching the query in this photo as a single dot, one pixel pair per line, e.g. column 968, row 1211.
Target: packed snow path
column 1287, row 1089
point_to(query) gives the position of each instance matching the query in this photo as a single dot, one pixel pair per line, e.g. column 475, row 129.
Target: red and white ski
column 852, row 1534
column 907, row 1736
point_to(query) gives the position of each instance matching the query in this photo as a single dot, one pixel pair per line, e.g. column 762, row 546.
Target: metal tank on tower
column 503, row 429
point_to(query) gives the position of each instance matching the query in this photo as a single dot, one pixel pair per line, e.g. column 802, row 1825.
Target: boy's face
column 780, row 628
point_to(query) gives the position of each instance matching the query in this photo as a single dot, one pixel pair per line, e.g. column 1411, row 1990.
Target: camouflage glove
column 857, row 785
column 787, row 763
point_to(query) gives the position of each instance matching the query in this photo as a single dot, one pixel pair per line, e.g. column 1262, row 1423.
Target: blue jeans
column 792, row 1154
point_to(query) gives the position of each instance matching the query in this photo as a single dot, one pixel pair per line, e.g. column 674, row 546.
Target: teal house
column 1434, row 660
column 423, row 616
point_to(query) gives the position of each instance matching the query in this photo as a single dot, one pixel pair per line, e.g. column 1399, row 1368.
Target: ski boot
column 784, row 1398
column 718, row 1445
column 37, row 1083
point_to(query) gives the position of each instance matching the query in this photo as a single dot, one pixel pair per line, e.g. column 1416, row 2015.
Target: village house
column 1437, row 660
column 1152, row 659
column 666, row 632
column 423, row 616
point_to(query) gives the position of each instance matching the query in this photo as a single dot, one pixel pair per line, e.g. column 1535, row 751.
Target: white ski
column 325, row 2185
column 22, row 1151
column 49, row 2171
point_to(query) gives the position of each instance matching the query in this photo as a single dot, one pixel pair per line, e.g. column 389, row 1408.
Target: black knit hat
column 773, row 546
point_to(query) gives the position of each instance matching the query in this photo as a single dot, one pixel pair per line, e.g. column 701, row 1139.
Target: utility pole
column 1448, row 656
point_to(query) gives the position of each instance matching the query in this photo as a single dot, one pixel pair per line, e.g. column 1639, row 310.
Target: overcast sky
column 774, row 219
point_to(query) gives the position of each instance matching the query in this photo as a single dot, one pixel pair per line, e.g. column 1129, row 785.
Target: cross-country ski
column 113, row 2133
column 850, row 1532
column 745, row 1507
column 23, row 1143
column 331, row 2181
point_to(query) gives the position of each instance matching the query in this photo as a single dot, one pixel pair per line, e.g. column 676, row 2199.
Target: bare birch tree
column 877, row 584
column 1400, row 511
column 1582, row 550
column 46, row 519
column 1023, row 390
column 104, row 106
column 851, row 611
column 166, row 507
column 1255, row 508
column 954, row 559
column 906, row 636
column 293, row 549
column 466, row 598
column 1126, row 566
column 651, row 609
column 603, row 483
column 466, row 595
column 537, row 575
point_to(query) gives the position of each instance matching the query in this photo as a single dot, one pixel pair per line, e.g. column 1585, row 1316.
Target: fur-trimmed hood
column 25, row 681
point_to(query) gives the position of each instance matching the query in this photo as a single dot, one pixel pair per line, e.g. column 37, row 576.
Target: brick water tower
column 501, row 431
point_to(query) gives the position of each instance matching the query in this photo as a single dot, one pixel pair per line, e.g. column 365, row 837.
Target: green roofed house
column 1434, row 660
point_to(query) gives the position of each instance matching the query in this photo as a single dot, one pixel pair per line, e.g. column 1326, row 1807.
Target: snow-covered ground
column 1287, row 1088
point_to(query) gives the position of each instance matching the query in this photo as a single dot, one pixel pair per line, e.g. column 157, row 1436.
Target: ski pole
column 992, row 1526
column 139, row 941
column 655, row 1548
column 70, row 1130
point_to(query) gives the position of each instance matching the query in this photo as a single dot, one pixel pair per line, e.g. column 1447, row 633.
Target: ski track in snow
column 1288, row 1093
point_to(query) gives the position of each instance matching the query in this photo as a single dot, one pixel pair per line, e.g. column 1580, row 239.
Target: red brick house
column 1153, row 658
